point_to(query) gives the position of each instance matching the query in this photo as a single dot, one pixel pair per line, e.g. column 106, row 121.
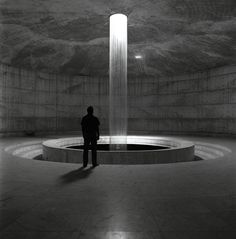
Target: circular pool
column 145, row 150
column 128, row 147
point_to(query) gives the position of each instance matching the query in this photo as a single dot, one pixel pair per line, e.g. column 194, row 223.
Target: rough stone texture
column 172, row 36
column 200, row 103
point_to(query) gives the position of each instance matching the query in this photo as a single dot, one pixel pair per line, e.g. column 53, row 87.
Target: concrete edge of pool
column 178, row 151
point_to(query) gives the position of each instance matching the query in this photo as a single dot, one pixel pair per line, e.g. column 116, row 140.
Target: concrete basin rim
column 52, row 143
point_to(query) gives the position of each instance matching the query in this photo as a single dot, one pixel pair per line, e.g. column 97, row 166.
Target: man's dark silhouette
column 90, row 128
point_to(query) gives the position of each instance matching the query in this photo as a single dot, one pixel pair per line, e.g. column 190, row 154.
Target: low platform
column 171, row 150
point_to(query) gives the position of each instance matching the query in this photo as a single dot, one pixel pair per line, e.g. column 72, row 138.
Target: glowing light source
column 118, row 81
column 138, row 57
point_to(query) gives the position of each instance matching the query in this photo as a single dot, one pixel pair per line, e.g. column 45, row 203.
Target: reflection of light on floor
column 117, row 235
column 25, row 150
column 220, row 147
column 210, row 151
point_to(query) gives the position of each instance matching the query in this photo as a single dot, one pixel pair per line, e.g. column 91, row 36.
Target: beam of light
column 118, row 81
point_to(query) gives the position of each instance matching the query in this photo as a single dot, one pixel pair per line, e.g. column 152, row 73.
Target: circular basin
column 145, row 150
column 128, row 147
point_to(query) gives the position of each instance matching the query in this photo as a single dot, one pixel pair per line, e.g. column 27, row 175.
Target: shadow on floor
column 38, row 157
column 75, row 175
column 197, row 158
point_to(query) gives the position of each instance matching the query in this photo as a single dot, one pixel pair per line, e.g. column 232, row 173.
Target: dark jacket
column 90, row 126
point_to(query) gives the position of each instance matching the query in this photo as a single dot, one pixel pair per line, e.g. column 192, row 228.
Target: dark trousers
column 87, row 142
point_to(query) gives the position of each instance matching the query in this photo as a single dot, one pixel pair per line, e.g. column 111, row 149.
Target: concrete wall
column 44, row 103
column 201, row 103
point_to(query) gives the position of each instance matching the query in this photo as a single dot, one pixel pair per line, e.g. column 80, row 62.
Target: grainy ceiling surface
column 71, row 36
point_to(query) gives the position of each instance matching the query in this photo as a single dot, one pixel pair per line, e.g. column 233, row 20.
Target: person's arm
column 82, row 126
column 98, row 134
column 83, row 131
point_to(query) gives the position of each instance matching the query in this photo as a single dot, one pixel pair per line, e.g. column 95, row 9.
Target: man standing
column 90, row 128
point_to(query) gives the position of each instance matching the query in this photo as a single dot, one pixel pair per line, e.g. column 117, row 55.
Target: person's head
column 90, row 110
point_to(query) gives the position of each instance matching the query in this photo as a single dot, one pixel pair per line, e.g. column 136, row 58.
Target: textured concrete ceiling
column 71, row 37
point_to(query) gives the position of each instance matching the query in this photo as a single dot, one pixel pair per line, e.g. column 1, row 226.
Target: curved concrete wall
column 202, row 103
column 46, row 103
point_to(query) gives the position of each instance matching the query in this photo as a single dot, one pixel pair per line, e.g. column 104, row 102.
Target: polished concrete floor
column 56, row 200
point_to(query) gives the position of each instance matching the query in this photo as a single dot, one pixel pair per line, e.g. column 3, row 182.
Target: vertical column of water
column 118, row 82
